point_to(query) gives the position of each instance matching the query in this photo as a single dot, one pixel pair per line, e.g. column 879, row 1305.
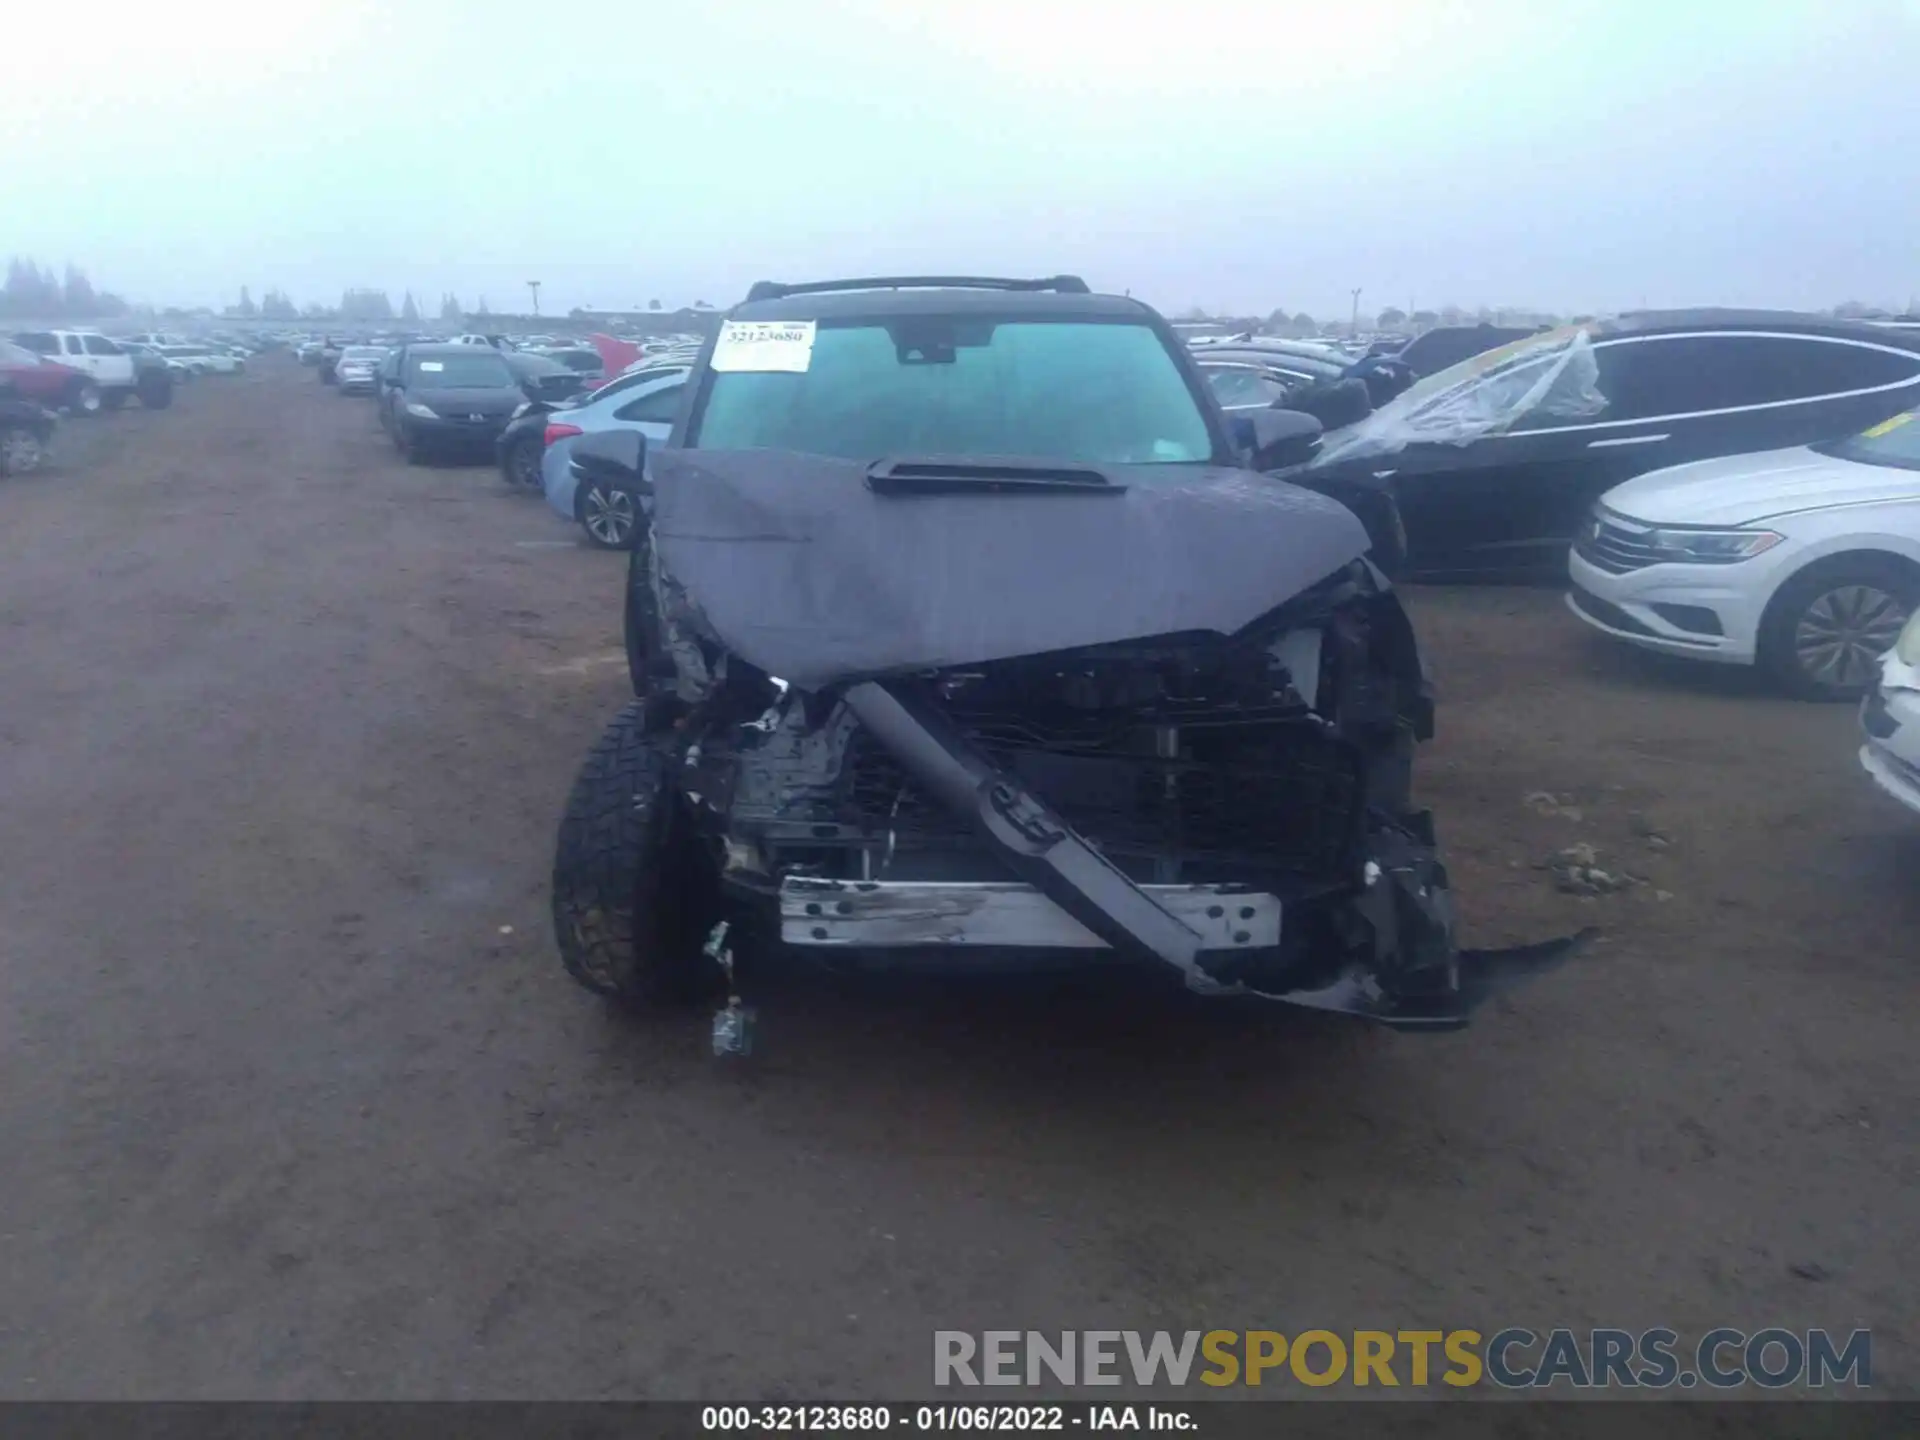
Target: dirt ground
column 295, row 1100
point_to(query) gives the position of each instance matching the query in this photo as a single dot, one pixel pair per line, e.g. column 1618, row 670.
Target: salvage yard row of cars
column 1727, row 486
column 45, row 374
column 521, row 403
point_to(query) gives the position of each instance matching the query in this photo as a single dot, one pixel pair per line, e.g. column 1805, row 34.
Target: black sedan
column 1495, row 462
column 447, row 399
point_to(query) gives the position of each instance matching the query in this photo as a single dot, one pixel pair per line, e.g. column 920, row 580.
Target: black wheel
column 87, row 399
column 609, row 515
column 520, row 466
column 22, row 451
column 156, row 391
column 1828, row 626
column 634, row 896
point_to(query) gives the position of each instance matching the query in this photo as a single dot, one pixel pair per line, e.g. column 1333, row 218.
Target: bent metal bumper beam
column 1036, row 844
column 889, row 914
column 1100, row 903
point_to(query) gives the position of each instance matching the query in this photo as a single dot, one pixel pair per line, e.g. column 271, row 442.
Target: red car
column 27, row 376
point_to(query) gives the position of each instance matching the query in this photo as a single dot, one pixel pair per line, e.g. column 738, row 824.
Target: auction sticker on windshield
column 764, row 345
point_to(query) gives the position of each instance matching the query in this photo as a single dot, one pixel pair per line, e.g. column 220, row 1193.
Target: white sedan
column 1805, row 562
column 1891, row 719
column 203, row 359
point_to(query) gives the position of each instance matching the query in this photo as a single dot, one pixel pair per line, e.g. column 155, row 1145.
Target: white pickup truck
column 111, row 367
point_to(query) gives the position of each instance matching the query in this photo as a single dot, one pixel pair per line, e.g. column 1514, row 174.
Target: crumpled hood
column 800, row 569
column 1745, row 489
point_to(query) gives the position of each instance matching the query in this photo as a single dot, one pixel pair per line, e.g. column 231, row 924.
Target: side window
column 1802, row 367
column 71, row 344
column 100, row 345
column 1681, row 374
column 1239, row 387
column 659, row 405
column 1661, row 375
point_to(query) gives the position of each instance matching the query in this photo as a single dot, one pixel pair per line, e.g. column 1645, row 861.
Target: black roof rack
column 774, row 290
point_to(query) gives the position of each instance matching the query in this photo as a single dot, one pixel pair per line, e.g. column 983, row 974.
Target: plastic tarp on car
column 1552, row 375
column 794, row 563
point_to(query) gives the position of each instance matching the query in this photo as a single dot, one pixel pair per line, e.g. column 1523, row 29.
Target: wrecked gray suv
column 966, row 631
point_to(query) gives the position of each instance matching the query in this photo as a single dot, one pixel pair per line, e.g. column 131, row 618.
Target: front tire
column 634, row 896
column 1827, row 627
column 87, row 399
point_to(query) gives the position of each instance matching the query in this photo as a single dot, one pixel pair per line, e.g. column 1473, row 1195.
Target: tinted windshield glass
column 480, row 370
column 1891, row 442
column 1083, row 392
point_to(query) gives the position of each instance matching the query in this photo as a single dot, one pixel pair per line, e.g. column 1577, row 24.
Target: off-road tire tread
column 632, row 899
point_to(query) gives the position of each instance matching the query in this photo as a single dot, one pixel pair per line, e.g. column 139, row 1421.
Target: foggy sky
column 1571, row 155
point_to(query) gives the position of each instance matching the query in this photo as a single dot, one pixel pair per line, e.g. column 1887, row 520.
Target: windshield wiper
column 973, row 477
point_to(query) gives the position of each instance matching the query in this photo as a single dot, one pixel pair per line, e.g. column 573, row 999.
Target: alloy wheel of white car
column 1842, row 635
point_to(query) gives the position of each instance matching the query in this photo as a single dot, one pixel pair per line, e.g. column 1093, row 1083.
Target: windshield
column 923, row 385
column 479, row 370
column 362, row 352
column 1893, row 442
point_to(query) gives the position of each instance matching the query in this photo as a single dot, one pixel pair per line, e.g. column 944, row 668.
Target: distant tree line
column 35, row 293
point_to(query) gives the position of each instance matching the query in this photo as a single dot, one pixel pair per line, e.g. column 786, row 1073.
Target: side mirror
column 1271, row 439
column 613, row 457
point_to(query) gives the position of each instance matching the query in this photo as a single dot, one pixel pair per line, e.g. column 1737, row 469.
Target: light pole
column 1356, row 310
column 534, row 286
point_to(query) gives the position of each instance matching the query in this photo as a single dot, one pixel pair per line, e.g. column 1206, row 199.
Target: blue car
column 645, row 404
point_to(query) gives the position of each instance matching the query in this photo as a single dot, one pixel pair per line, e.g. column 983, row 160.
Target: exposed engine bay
column 1233, row 805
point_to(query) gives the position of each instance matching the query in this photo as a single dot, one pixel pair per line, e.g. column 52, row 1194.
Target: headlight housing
column 1907, row 647
column 1712, row 547
column 414, row 407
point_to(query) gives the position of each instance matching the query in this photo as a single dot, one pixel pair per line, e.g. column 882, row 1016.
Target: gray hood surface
column 797, row 567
